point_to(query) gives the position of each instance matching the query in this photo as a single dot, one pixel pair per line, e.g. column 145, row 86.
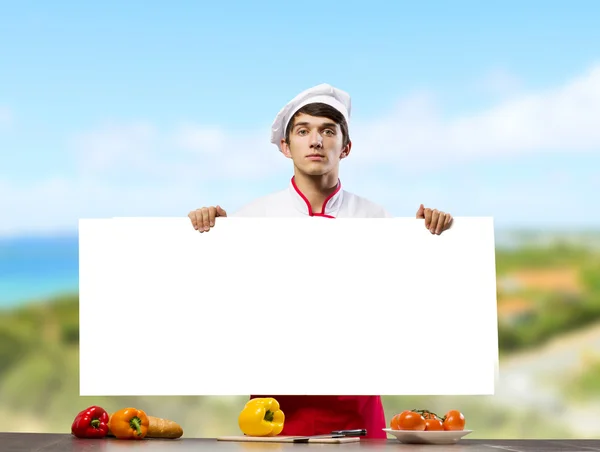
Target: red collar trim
column 324, row 207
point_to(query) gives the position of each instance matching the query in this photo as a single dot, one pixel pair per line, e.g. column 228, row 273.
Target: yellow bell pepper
column 261, row 417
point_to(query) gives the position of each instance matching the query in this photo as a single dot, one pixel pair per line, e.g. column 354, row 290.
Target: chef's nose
column 316, row 140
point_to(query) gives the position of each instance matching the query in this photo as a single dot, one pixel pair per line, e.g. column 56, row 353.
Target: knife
column 334, row 434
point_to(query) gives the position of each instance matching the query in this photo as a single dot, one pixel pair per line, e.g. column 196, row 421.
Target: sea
column 36, row 269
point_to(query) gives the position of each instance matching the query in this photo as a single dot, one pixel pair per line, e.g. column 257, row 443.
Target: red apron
column 320, row 415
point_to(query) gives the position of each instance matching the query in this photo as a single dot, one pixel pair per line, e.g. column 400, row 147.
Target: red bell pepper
column 91, row 423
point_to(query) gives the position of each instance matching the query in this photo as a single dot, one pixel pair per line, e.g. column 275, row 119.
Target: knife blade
column 334, row 434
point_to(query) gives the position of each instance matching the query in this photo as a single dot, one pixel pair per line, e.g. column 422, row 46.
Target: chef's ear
column 285, row 148
column 346, row 151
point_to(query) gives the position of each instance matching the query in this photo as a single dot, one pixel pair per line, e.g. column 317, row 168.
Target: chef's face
column 316, row 145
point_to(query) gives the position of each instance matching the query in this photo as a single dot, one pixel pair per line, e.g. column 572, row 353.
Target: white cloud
column 112, row 146
column 564, row 119
column 201, row 139
column 218, row 153
column 56, row 204
column 189, row 151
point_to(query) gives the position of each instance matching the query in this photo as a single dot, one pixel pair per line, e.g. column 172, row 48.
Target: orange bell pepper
column 129, row 423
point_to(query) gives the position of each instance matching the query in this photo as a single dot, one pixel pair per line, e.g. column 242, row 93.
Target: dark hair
column 324, row 111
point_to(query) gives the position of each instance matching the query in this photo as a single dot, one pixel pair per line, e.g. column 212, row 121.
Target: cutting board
column 287, row 439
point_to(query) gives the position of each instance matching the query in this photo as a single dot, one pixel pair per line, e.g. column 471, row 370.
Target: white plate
column 428, row 437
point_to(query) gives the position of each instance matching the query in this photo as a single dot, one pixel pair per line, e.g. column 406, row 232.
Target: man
column 312, row 131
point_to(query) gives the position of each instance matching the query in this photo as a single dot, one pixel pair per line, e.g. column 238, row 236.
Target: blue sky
column 147, row 108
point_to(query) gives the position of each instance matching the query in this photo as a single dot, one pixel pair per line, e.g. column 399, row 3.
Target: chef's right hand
column 204, row 218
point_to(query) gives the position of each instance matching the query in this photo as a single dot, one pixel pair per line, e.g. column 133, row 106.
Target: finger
column 205, row 225
column 199, row 225
column 440, row 223
column 433, row 220
column 435, row 214
column 421, row 212
column 200, row 219
column 192, row 217
column 221, row 212
column 212, row 213
column 428, row 214
column 208, row 218
column 448, row 221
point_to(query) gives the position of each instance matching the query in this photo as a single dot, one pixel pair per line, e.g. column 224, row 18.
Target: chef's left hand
column 435, row 220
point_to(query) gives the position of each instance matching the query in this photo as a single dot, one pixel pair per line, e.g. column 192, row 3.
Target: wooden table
column 48, row 442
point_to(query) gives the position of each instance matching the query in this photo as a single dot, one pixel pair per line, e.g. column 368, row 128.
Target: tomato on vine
column 425, row 420
column 408, row 420
column 433, row 424
column 454, row 420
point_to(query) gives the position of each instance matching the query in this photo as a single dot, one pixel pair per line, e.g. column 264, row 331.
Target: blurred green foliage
column 557, row 253
column 555, row 313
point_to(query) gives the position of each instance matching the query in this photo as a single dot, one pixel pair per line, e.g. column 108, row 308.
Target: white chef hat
column 323, row 93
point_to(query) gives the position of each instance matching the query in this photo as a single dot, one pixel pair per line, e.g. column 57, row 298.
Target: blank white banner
column 287, row 306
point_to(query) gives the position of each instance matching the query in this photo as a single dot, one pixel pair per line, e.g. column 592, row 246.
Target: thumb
column 421, row 212
column 221, row 212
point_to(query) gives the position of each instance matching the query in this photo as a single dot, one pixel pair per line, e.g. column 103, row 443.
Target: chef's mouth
column 315, row 155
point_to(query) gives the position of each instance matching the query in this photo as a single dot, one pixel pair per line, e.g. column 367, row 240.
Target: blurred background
column 155, row 109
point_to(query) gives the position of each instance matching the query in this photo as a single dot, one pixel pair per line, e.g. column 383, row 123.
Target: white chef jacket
column 292, row 203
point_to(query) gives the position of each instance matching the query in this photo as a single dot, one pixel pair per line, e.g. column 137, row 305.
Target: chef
column 312, row 131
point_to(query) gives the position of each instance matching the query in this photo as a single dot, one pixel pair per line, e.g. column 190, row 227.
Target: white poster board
column 287, row 306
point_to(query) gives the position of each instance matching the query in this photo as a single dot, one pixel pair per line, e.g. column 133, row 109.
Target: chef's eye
column 329, row 132
column 301, row 131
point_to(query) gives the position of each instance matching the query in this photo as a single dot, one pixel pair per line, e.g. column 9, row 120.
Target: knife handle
column 357, row 432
